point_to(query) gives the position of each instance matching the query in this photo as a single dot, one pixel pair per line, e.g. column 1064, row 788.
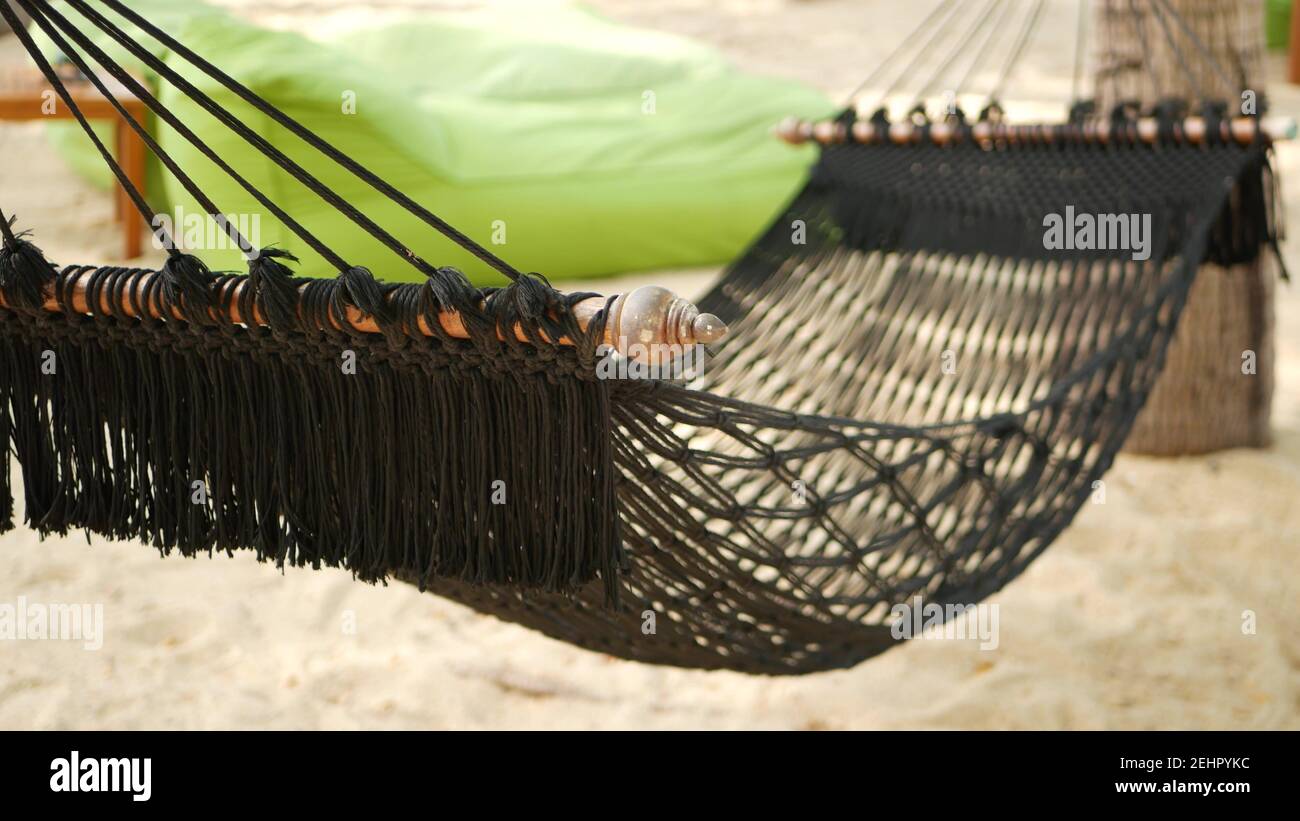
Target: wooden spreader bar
column 639, row 321
column 1192, row 130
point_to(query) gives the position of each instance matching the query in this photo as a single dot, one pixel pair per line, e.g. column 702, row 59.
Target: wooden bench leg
column 1293, row 62
column 119, row 193
column 131, row 156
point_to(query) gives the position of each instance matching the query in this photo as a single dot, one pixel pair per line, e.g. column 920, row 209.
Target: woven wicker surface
column 1203, row 401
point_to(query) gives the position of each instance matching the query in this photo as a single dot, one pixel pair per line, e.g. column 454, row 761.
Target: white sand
column 1131, row 620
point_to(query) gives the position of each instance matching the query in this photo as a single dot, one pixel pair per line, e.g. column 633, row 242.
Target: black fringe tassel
column 25, row 274
column 428, row 460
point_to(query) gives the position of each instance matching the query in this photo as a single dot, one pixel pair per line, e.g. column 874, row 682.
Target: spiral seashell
column 652, row 324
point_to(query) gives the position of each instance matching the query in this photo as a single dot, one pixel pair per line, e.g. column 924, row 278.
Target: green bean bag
column 567, row 144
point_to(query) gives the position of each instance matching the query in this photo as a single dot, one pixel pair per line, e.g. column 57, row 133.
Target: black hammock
column 918, row 391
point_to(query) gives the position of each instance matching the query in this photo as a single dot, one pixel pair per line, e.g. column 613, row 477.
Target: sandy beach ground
column 1133, row 619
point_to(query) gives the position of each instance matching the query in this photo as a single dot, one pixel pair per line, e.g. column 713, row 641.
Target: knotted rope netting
column 916, row 397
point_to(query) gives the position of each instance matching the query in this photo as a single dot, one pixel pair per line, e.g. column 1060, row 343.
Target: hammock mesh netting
column 913, row 257
column 916, row 396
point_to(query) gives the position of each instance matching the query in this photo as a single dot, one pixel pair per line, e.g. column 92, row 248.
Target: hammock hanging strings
column 300, row 131
column 141, row 92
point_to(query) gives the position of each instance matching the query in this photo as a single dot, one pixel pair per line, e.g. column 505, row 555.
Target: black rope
column 38, row 15
column 981, row 20
column 1203, row 50
column 262, row 145
column 1080, row 43
column 1139, row 23
column 153, row 104
column 52, row 77
column 927, row 47
column 1018, row 50
column 6, row 229
column 902, row 46
column 984, row 51
column 1178, row 54
column 313, row 139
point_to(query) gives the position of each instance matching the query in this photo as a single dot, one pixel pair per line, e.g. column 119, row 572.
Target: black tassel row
column 322, row 449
